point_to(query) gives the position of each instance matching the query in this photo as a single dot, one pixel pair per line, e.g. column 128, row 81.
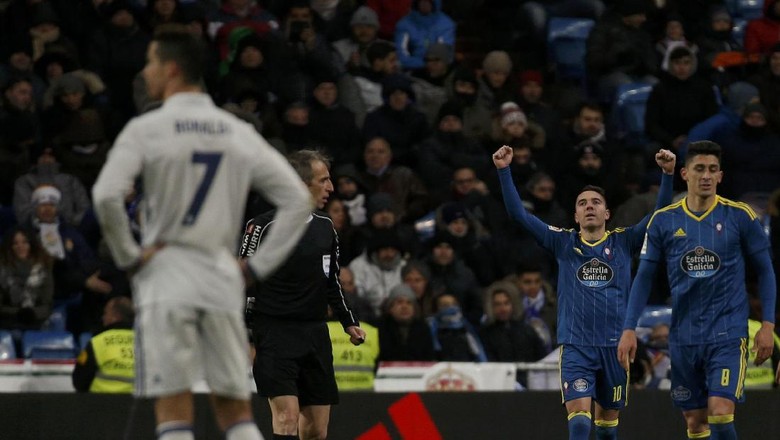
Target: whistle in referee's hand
column 361, row 339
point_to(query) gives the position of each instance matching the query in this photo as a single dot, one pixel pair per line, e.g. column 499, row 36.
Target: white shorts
column 177, row 346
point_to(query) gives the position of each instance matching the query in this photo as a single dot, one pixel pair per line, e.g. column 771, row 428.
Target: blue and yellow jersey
column 593, row 283
column 593, row 278
column 705, row 261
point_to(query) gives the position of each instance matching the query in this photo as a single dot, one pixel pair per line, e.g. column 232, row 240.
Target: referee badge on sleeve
column 326, row 265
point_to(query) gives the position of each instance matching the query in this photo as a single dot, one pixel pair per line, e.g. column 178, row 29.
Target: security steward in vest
column 106, row 364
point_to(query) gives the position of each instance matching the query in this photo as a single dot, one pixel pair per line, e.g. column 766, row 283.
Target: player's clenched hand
column 666, row 160
column 763, row 344
column 147, row 254
column 356, row 334
column 627, row 348
column 503, row 157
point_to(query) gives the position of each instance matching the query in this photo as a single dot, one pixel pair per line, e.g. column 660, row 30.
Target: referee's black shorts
column 295, row 358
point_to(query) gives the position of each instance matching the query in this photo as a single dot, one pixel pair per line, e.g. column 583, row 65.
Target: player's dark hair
column 175, row 44
column 596, row 189
column 302, row 161
column 699, row 148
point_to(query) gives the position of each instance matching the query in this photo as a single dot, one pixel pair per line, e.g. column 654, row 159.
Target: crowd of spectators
column 410, row 109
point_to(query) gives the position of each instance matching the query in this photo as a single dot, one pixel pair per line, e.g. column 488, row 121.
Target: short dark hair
column 123, row 307
column 596, row 189
column 302, row 161
column 590, row 105
column 698, row 148
column 175, row 44
column 379, row 50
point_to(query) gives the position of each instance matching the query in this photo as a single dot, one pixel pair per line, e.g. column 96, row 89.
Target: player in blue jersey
column 594, row 275
column 704, row 240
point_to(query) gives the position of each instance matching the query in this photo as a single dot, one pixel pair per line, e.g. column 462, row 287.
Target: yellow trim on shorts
column 742, row 367
column 579, row 413
column 720, row 420
column 606, row 423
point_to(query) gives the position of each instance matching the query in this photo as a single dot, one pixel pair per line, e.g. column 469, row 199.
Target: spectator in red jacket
column 762, row 33
column 389, row 11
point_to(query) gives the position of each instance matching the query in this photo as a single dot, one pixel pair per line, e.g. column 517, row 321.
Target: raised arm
column 666, row 160
column 514, row 206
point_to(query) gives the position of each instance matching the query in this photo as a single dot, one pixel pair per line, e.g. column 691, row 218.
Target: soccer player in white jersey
column 196, row 163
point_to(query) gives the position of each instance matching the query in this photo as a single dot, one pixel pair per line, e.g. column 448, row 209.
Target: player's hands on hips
column 666, row 160
column 763, row 344
column 627, row 348
column 503, row 157
column 356, row 334
column 249, row 278
column 147, row 254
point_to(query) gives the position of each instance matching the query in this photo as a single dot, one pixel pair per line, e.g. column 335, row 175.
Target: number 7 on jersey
column 211, row 161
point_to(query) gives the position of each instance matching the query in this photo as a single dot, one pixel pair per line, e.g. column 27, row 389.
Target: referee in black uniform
column 294, row 362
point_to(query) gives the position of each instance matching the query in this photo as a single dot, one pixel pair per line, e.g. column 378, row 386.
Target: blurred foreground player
column 197, row 164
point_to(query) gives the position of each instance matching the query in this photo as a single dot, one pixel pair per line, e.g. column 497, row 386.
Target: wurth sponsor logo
column 410, row 418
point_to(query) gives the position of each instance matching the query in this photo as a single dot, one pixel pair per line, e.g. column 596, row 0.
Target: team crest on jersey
column 608, row 253
column 595, row 273
column 580, row 385
column 681, row 394
column 700, row 263
column 718, row 227
column 326, row 265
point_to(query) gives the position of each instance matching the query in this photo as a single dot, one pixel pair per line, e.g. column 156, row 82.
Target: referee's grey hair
column 302, row 161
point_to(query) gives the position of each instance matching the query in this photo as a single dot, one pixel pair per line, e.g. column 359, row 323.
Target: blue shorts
column 593, row 372
column 701, row 371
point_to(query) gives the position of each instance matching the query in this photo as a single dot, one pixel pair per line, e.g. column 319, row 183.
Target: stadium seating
column 630, row 104
column 41, row 344
column 566, row 46
column 747, row 9
column 57, row 319
column 651, row 316
column 7, row 350
column 738, row 30
column 84, row 339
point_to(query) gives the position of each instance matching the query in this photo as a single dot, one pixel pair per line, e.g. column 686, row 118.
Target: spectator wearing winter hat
column 378, row 269
column 450, row 275
column 729, row 116
column 531, row 100
column 619, row 51
column 768, row 83
column 477, row 118
column 717, row 38
column 679, row 101
column 455, row 339
column 751, row 154
column 761, row 34
column 75, row 266
column 364, row 27
column 18, row 63
column 494, row 85
column 425, row 25
column 539, row 196
column 674, row 36
column 470, row 239
column 590, row 168
column 117, row 52
column 511, row 127
column 447, row 150
column 430, row 84
column 74, row 201
column 403, row 335
column 47, row 35
column 381, row 213
column 234, row 14
column 76, row 129
column 397, row 120
column 19, row 133
column 332, row 125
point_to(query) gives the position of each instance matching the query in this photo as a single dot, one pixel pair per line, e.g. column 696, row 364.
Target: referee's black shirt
column 303, row 287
